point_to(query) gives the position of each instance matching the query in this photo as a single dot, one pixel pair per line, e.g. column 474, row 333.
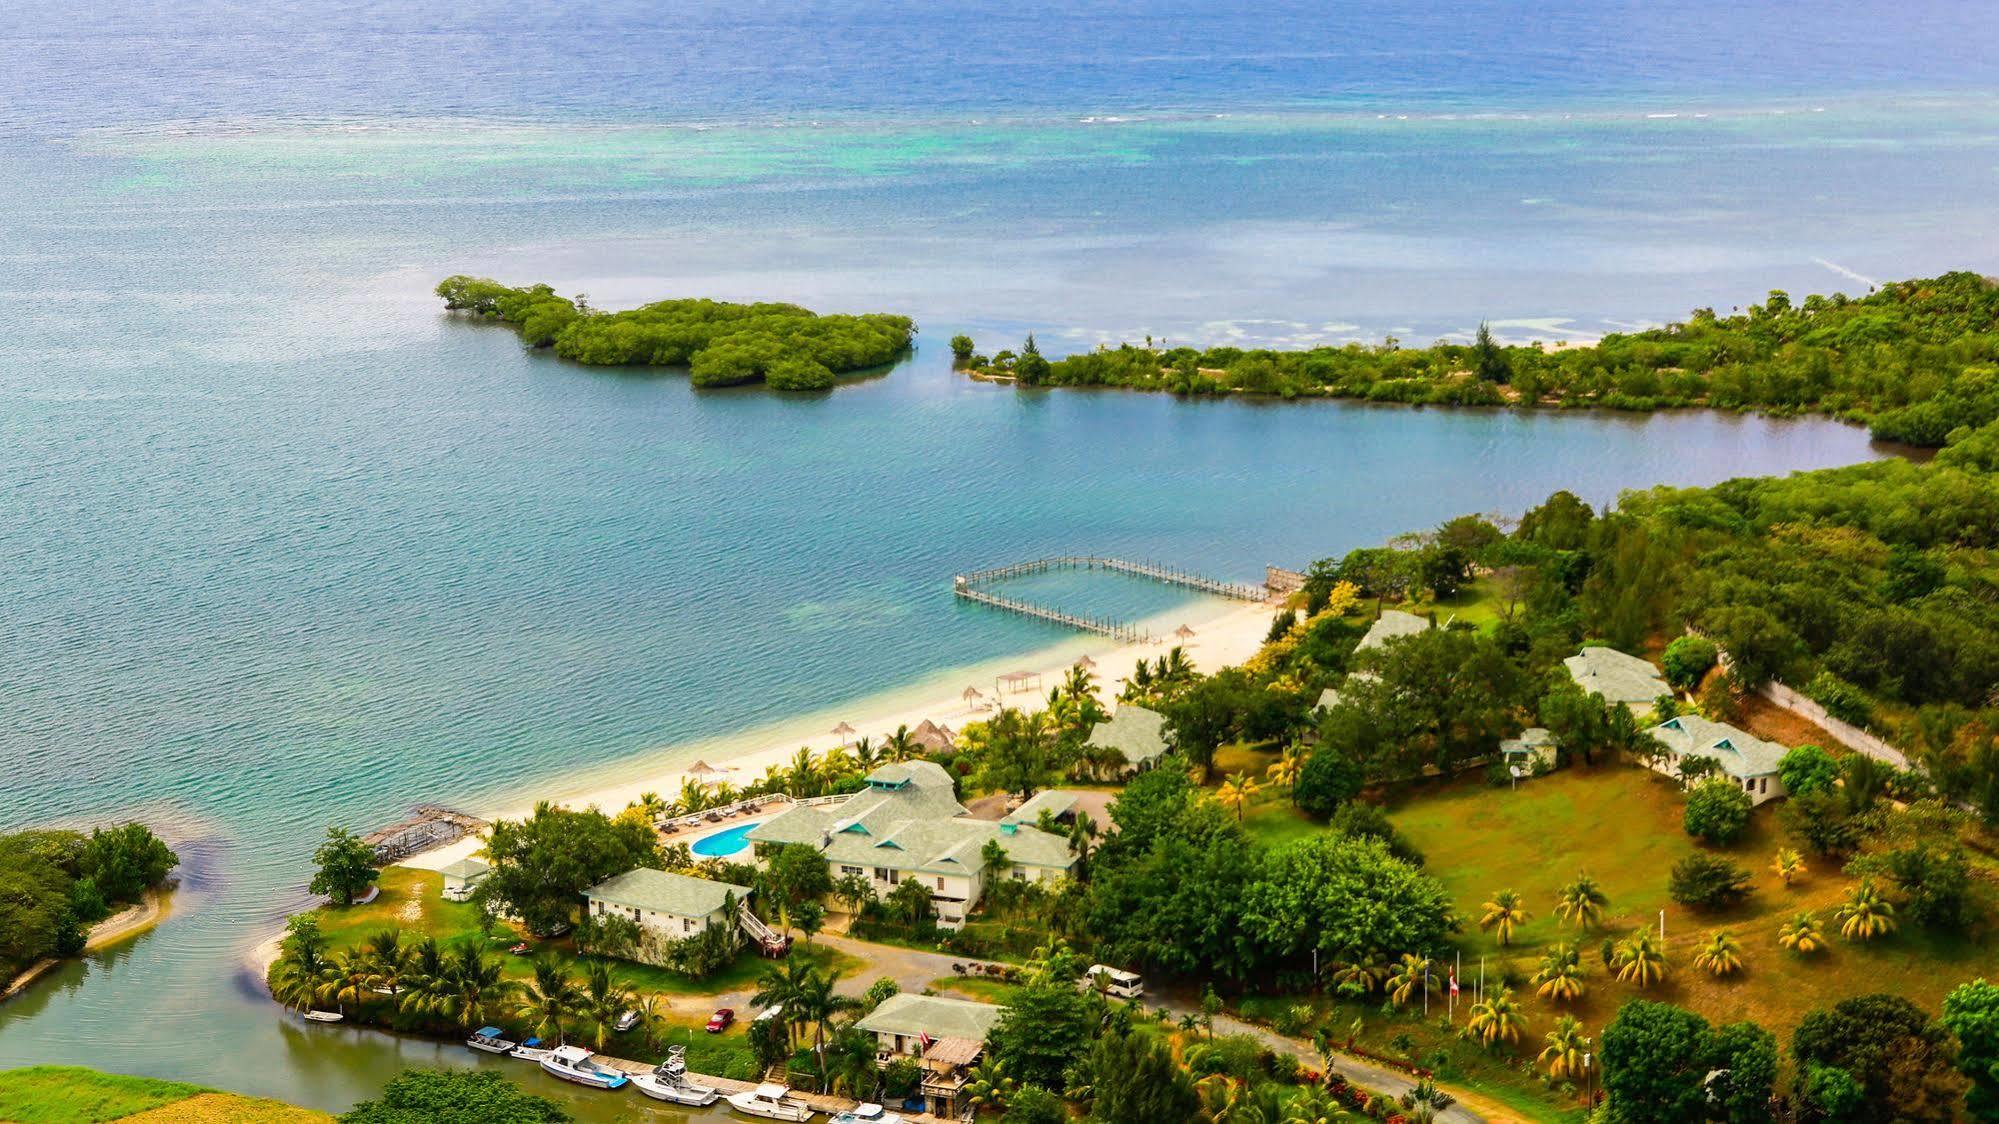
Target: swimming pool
column 726, row 842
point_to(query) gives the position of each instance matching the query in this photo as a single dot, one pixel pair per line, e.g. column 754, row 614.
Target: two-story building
column 907, row 825
column 946, row 1036
column 666, row 907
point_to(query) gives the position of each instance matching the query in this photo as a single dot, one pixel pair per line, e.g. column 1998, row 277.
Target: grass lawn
column 1622, row 825
column 974, row 987
column 412, row 900
column 73, row 1095
column 1274, row 822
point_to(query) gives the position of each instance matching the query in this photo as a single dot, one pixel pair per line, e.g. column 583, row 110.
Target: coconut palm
column 1788, row 864
column 1502, row 913
column 1801, row 934
column 900, row 746
column 1313, row 1105
column 347, row 979
column 1566, row 1046
column 298, row 975
column 1640, row 959
column 839, row 761
column 1083, row 832
column 1865, row 914
column 652, row 804
column 693, row 796
column 1359, row 976
column 1582, row 902
column 1079, row 683
column 1409, row 978
column 784, row 985
column 986, row 1087
column 1236, row 793
column 1720, row 956
column 548, row 999
column 1496, row 1018
column 1560, row 977
column 388, row 960
column 473, row 985
column 602, row 1001
column 424, row 983
column 866, row 756
column 1284, row 771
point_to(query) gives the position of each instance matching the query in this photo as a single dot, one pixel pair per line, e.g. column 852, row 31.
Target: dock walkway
column 970, row 587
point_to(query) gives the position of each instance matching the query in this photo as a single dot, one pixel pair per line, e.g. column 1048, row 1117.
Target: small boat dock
column 973, row 587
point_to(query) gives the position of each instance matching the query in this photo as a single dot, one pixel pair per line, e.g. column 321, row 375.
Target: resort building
column 907, row 824
column 1393, row 624
column 667, row 907
column 463, row 877
column 1056, row 802
column 1617, row 678
column 1137, row 733
column 1743, row 758
column 945, row 1035
column 1533, row 750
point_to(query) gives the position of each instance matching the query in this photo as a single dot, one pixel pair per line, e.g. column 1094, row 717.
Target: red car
column 721, row 1020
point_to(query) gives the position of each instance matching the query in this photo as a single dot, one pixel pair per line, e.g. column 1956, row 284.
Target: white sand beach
column 1225, row 633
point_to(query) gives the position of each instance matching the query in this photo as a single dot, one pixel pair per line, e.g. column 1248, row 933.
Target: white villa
column 946, row 1035
column 667, row 907
column 1744, row 758
column 1617, row 678
column 1392, row 624
column 907, row 824
column 1533, row 750
column 1136, row 732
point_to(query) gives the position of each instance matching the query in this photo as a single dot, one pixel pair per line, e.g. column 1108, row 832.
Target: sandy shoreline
column 1226, row 633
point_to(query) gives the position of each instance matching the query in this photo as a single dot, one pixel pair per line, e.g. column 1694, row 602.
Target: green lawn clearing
column 48, row 1094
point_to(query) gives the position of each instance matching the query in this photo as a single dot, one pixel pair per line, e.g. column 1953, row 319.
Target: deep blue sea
column 281, row 544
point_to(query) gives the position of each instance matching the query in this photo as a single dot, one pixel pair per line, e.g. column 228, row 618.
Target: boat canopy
column 771, row 1091
column 490, row 1032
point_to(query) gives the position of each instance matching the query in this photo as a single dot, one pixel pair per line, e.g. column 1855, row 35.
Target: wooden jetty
column 429, row 825
column 970, row 587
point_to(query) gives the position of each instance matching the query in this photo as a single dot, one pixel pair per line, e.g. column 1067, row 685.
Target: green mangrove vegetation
column 721, row 344
column 55, row 884
column 1913, row 359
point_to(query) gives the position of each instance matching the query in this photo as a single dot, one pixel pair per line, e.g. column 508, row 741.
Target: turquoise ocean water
column 280, row 544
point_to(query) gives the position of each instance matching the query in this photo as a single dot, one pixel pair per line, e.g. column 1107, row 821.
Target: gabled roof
column 934, row 1015
column 1054, row 800
column 467, row 868
column 1328, row 699
column 1533, row 737
column 1617, row 677
column 1740, row 755
column 660, row 892
column 1134, row 731
column 1392, row 624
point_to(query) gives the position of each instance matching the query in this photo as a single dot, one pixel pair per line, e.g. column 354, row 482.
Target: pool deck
column 691, row 829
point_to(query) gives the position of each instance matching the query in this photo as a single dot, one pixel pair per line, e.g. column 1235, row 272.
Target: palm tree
column 1359, row 976
column 1801, row 934
column 804, row 776
column 839, row 761
column 1174, row 666
column 1411, row 976
column 1496, row 1018
column 1284, row 771
column 1561, row 974
column 1313, row 1105
column 474, row 983
column 1502, row 913
column 548, row 999
column 693, row 795
column 387, row 960
column 424, row 980
column 1640, row 960
column 1582, row 901
column 866, row 756
column 855, row 892
column 785, row 984
column 1236, row 793
column 1221, row 1094
column 986, row 1087
column 1865, row 914
column 1720, row 956
column 1083, row 843
column 1079, row 683
column 652, row 804
column 900, row 746
column 603, row 1000
column 347, row 978
column 297, row 977
column 1788, row 864
column 1566, row 1046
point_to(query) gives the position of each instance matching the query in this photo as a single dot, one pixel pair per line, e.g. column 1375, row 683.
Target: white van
column 1123, row 984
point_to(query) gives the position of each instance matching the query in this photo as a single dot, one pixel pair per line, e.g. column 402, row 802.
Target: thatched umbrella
column 703, row 769
column 843, row 732
column 1086, row 663
column 972, row 696
column 1183, row 632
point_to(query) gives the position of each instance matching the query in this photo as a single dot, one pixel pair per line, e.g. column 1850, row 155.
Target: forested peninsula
column 722, row 344
column 1914, row 360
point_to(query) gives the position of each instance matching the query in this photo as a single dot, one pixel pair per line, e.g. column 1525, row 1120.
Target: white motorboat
column 490, row 1039
column 572, row 1063
column 669, row 1082
column 770, row 1101
column 867, row 1114
column 533, row 1050
column 322, row 1016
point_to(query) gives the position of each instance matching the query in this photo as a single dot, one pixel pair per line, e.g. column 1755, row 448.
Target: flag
column 926, row 1040
column 1454, row 983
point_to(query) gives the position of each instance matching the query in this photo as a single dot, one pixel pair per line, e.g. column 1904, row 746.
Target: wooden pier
column 969, row 587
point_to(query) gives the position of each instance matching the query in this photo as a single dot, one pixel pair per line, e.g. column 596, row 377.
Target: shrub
column 1841, row 699
column 1708, row 882
column 1717, row 810
column 1687, row 661
column 1329, row 779
column 1808, row 769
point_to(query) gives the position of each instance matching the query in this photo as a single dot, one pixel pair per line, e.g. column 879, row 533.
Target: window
column 850, row 870
column 1019, row 875
column 940, row 882
column 884, row 874
column 635, row 913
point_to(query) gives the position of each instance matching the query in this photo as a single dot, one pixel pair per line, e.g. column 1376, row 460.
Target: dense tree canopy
column 442, row 1096
column 542, row 865
column 55, row 884
column 722, row 344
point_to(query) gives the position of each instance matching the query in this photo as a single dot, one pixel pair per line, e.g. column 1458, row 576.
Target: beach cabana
column 843, row 731
column 933, row 737
column 463, row 877
column 1019, row 682
column 1184, row 633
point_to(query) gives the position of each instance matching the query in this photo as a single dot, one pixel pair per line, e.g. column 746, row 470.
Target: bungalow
column 1617, row 678
column 1533, row 750
column 1743, row 758
column 1137, row 733
column 945, row 1035
column 1056, row 802
column 907, row 824
column 666, row 907
column 463, row 877
column 1393, row 624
